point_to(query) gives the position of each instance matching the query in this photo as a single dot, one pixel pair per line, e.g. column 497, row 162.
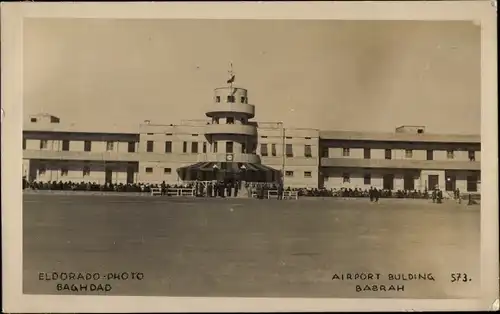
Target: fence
column 287, row 195
column 174, row 191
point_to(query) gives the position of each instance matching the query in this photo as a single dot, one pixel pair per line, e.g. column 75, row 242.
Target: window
column 325, row 152
column 131, row 147
column 408, row 153
column 273, row 150
column 307, row 137
column 289, row 150
column 184, row 147
column 263, row 136
column 230, row 120
column 472, row 155
column 65, row 145
column 167, row 170
column 346, row 178
column 243, row 148
column 230, row 98
column 388, row 154
column 149, row 170
column 44, row 144
column 87, row 146
column 194, row 134
column 307, row 151
column 215, row 147
column 24, row 143
column 430, row 154
column 346, row 152
column 150, row 133
column 86, row 171
column 204, row 147
column 420, row 131
column 289, row 173
column 288, row 137
column 367, row 179
column 307, row 174
column 33, row 120
column 217, row 98
column 263, row 150
column 64, row 172
column 194, row 147
column 168, row 134
column 41, row 170
column 149, row 146
column 450, row 154
column 109, row 145
column 242, row 99
column 168, row 147
column 229, row 147
column 367, row 153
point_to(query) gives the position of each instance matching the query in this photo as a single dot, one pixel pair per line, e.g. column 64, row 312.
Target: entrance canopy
column 233, row 171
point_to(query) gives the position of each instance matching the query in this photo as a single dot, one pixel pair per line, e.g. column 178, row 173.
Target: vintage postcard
column 249, row 156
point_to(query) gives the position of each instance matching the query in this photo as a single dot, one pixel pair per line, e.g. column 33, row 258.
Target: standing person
column 236, row 189
column 280, row 191
column 377, row 194
column 163, row 188
column 440, row 196
column 458, row 196
column 228, row 189
column 209, row 189
column 434, row 195
column 370, row 193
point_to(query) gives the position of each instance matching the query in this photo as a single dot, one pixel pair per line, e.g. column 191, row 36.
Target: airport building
column 228, row 144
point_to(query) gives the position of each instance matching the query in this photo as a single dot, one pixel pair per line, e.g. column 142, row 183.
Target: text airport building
column 407, row 159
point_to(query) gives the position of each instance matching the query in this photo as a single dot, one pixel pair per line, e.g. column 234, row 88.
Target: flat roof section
column 399, row 137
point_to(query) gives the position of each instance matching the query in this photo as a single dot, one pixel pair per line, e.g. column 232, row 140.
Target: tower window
column 229, row 147
column 217, row 98
column 230, row 99
column 243, row 99
column 230, row 120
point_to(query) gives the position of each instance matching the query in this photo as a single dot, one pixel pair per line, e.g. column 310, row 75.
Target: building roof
column 399, row 137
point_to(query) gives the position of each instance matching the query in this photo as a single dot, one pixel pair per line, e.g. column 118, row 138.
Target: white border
column 12, row 15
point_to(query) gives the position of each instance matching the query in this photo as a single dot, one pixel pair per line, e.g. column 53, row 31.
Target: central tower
column 230, row 134
column 232, row 138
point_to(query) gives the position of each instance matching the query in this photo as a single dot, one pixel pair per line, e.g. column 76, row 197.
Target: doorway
column 130, row 175
column 451, row 183
column 433, row 181
column 409, row 182
column 108, row 178
column 388, row 182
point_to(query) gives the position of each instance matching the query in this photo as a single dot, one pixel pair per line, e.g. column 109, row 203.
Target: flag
column 231, row 80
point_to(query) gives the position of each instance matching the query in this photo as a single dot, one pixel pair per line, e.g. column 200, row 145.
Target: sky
column 329, row 74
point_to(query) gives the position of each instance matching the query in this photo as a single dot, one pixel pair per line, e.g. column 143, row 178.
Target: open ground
column 246, row 247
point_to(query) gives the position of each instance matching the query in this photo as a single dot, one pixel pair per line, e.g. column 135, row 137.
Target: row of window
column 263, row 149
column 307, row 174
column 87, row 145
column 232, row 99
column 450, row 154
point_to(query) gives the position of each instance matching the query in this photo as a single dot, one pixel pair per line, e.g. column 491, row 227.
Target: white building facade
column 407, row 159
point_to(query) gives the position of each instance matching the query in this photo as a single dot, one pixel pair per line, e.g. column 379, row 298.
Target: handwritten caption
column 92, row 281
column 396, row 281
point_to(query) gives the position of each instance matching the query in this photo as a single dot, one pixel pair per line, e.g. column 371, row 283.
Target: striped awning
column 234, row 167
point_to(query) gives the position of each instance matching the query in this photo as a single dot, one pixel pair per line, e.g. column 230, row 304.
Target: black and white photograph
column 227, row 157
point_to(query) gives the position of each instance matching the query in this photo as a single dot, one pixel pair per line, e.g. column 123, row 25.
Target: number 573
column 459, row 277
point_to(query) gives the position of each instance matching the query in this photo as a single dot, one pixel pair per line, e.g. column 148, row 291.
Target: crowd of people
column 228, row 189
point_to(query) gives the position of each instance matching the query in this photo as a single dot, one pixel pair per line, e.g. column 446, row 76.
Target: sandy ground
column 245, row 247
